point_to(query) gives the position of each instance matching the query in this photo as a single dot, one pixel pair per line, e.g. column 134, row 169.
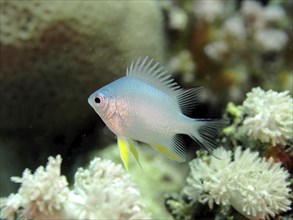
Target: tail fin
column 205, row 131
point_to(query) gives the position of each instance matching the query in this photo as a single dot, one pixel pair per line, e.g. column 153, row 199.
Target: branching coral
column 103, row 191
column 255, row 187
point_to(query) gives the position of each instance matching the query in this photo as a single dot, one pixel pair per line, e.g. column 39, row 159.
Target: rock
column 54, row 54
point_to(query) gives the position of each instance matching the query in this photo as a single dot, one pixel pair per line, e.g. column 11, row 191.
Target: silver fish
column 147, row 105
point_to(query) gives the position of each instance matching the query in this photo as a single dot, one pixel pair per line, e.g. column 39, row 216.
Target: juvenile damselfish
column 147, row 105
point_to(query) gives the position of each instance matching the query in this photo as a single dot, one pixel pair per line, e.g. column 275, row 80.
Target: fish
column 148, row 106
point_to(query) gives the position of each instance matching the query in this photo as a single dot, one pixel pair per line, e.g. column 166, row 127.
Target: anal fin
column 173, row 148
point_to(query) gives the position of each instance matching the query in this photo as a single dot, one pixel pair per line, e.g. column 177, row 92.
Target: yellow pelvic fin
column 124, row 151
column 167, row 152
column 124, row 147
column 134, row 152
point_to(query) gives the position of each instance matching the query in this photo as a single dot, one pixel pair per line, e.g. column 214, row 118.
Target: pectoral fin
column 124, row 146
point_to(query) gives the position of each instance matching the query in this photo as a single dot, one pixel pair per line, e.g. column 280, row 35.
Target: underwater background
column 54, row 54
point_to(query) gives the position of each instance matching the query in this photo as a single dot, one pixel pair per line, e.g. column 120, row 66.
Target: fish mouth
column 90, row 100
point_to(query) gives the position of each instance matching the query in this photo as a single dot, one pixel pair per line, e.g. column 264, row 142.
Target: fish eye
column 97, row 100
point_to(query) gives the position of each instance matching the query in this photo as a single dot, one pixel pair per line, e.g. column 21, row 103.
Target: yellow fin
column 134, row 152
column 167, row 152
column 124, row 151
column 124, row 146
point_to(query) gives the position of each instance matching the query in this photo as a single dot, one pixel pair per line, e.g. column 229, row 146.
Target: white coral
column 43, row 193
column 270, row 39
column 216, row 50
column 252, row 12
column 104, row 191
column 255, row 187
column 274, row 13
column 178, row 18
column 269, row 116
column 208, row 11
column 259, row 18
column 235, row 27
column 183, row 62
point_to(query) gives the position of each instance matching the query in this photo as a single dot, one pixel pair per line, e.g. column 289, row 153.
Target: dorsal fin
column 154, row 74
column 188, row 99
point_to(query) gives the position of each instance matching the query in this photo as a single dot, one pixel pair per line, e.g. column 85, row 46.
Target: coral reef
column 103, row 191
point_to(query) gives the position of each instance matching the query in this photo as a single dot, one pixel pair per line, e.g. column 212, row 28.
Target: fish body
column 147, row 105
column 142, row 111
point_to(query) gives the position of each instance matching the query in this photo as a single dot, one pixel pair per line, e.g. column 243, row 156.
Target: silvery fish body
column 147, row 105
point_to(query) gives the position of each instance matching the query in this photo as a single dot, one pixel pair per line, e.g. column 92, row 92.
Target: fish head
column 103, row 103
column 109, row 103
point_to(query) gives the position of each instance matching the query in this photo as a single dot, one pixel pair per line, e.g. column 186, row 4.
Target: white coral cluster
column 103, row 191
column 41, row 195
column 269, row 116
column 255, row 187
column 183, row 63
column 255, row 27
column 216, row 49
column 263, row 21
column 260, row 16
column 270, row 39
column 178, row 18
column 208, row 11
